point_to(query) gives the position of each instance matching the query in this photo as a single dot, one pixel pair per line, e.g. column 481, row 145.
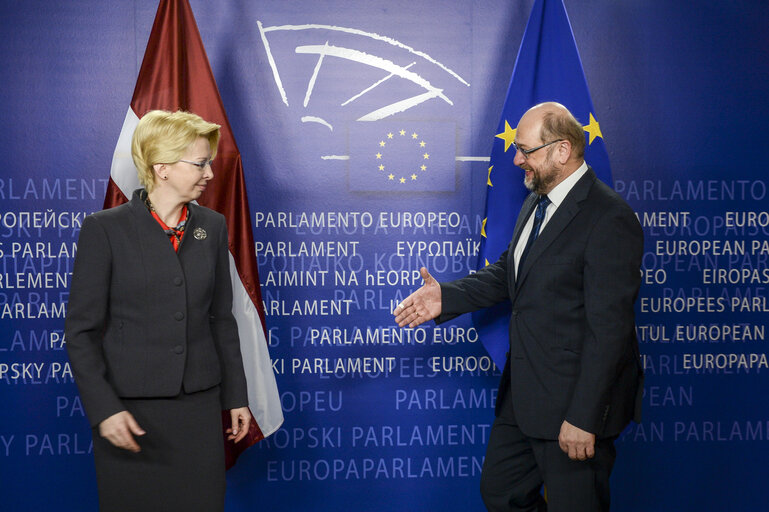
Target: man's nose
column 519, row 159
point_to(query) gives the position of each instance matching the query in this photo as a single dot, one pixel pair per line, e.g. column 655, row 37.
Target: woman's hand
column 241, row 419
column 119, row 430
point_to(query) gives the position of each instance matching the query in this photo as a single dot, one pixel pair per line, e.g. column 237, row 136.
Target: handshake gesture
column 422, row 305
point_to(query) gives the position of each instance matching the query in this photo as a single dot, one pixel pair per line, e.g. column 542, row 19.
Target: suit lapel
column 195, row 221
column 528, row 206
column 189, row 228
column 566, row 211
column 526, row 209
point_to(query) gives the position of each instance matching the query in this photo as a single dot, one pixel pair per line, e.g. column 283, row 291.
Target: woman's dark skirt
column 181, row 463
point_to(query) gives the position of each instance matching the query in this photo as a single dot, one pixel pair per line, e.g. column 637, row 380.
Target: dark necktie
column 539, row 216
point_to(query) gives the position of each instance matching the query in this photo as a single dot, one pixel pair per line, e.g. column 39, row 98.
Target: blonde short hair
column 162, row 137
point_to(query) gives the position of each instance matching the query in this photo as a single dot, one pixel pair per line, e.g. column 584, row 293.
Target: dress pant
column 516, row 466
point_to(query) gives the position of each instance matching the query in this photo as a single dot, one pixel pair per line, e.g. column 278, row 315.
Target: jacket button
column 515, row 312
column 178, row 281
column 179, row 315
column 178, row 349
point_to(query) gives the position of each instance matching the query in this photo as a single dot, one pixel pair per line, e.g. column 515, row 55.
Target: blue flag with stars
column 548, row 68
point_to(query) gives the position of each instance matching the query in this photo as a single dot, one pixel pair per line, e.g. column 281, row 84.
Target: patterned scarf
column 174, row 234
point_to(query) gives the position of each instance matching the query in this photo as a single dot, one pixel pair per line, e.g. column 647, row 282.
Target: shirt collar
column 559, row 193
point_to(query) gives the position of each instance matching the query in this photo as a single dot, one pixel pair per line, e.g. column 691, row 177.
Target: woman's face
column 185, row 180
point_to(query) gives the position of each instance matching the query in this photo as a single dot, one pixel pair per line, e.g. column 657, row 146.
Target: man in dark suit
column 573, row 377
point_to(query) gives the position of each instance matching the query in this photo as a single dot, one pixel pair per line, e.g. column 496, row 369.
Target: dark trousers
column 516, row 466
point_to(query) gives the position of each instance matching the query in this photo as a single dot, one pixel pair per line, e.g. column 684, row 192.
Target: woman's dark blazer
column 145, row 321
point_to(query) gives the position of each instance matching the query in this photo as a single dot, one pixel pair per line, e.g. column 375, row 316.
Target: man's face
column 541, row 169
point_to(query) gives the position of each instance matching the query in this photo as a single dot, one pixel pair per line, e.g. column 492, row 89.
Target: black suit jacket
column 146, row 321
column 573, row 349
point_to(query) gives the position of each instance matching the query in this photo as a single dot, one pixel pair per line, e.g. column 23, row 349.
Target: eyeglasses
column 200, row 165
column 527, row 152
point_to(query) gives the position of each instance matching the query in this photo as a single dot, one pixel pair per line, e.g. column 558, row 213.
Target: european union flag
column 548, row 68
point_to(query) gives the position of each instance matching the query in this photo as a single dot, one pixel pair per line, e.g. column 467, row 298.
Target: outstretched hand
column 421, row 306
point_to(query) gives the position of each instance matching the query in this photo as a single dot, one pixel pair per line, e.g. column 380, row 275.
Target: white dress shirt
column 556, row 196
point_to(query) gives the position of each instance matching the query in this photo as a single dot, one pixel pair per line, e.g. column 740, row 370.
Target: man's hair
column 561, row 124
column 162, row 137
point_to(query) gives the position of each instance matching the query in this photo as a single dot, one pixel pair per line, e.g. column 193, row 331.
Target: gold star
column 483, row 228
column 487, row 263
column 381, row 167
column 426, row 156
column 382, row 143
column 413, row 177
column 488, row 180
column 402, row 132
column 414, row 135
column 379, row 156
column 594, row 129
column 508, row 135
column 390, row 135
column 422, row 144
column 390, row 177
column 403, row 180
column 423, row 167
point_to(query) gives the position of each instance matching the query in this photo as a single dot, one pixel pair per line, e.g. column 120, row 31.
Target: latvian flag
column 175, row 75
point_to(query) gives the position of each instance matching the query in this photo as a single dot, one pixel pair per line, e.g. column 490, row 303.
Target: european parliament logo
column 378, row 100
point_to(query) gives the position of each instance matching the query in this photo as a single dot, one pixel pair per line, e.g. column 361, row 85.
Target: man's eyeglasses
column 527, row 152
column 200, row 165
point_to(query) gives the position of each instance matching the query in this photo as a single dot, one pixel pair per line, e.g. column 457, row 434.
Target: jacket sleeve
column 612, row 279
column 87, row 313
column 480, row 290
column 234, row 391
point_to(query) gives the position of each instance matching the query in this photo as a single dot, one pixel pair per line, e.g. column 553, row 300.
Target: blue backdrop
column 314, row 92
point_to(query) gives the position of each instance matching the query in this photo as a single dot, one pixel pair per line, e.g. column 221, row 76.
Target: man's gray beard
column 536, row 184
column 539, row 185
column 530, row 185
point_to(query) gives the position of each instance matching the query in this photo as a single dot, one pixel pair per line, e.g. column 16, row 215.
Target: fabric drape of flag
column 175, row 75
column 548, row 68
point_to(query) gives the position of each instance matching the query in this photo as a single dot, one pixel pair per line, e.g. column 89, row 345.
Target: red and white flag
column 175, row 75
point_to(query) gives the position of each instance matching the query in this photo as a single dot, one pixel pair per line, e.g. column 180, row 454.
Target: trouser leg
column 573, row 485
column 510, row 478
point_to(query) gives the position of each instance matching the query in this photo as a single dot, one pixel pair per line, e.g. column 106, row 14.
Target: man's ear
column 563, row 152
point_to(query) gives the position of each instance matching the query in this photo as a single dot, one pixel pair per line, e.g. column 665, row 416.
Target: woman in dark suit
column 150, row 333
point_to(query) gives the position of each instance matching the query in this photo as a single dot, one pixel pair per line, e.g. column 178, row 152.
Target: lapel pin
column 200, row 234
